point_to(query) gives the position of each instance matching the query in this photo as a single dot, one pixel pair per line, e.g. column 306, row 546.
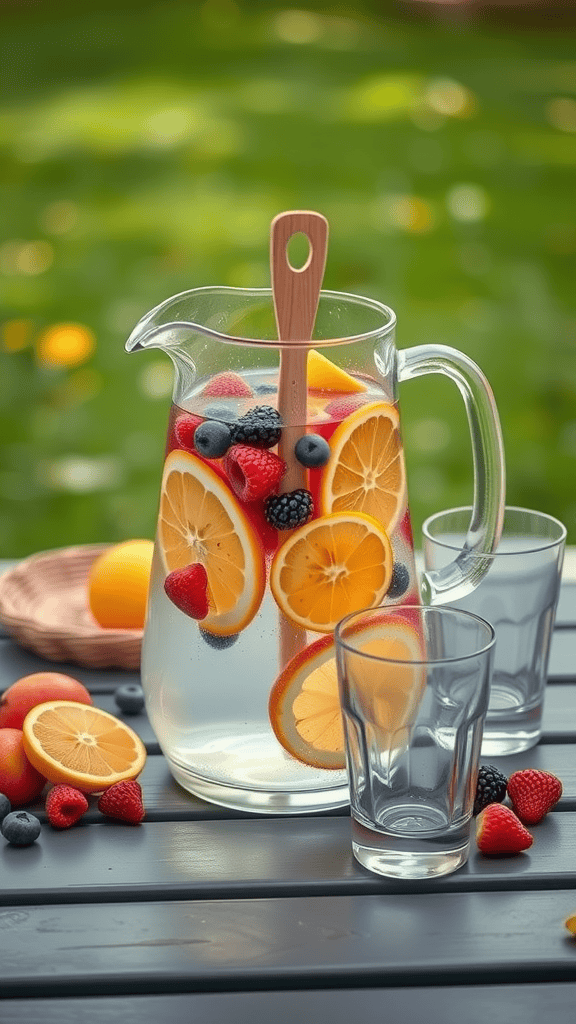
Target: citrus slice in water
column 304, row 707
column 365, row 472
column 324, row 375
column 200, row 520
column 81, row 745
column 331, row 566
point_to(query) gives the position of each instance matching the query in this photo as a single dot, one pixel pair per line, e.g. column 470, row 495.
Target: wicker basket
column 44, row 607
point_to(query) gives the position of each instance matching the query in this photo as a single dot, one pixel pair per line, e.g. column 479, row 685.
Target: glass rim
column 442, row 610
column 529, row 549
column 375, row 334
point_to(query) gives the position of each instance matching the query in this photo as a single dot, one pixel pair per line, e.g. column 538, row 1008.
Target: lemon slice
column 323, row 375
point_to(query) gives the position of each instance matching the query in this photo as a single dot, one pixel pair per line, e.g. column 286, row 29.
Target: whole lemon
column 118, row 585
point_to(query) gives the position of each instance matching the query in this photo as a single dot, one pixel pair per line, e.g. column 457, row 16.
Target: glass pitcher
column 255, row 563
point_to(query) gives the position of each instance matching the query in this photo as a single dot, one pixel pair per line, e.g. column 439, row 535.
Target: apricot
column 118, row 585
column 19, row 781
column 26, row 693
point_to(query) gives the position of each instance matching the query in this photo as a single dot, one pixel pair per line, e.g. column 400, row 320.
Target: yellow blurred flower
column 65, row 345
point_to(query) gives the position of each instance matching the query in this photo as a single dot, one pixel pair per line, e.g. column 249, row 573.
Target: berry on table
column 123, row 801
column 400, row 581
column 290, row 510
column 187, row 588
column 5, row 806
column 129, row 698
column 212, row 439
column 499, row 831
column 533, row 793
column 312, row 450
column 490, row 787
column 20, row 828
column 229, row 385
column 219, row 643
column 260, row 427
column 253, row 473
column 65, row 805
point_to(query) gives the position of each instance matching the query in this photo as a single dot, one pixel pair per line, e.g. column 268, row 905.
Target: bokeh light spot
column 65, row 345
column 16, row 335
column 155, row 380
column 561, row 113
column 60, row 217
column 298, row 26
column 411, row 214
column 81, row 474
column 450, row 98
column 467, row 203
column 34, row 258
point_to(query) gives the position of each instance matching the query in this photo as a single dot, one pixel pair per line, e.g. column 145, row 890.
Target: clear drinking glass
column 414, row 684
column 518, row 595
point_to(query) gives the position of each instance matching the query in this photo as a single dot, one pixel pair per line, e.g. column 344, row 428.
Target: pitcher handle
column 454, row 581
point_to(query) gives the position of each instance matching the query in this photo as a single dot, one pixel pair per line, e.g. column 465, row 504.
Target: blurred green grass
column 145, row 151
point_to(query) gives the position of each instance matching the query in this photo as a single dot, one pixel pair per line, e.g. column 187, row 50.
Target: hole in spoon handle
column 296, row 290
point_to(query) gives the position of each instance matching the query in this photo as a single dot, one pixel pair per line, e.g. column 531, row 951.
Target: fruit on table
column 499, row 831
column 21, row 828
column 253, row 473
column 200, row 520
column 187, row 588
column 5, row 806
column 570, row 924
column 83, row 746
column 332, row 566
column 365, row 472
column 129, row 698
column 65, row 805
column 490, row 787
column 324, row 375
column 533, row 793
column 20, row 780
column 118, row 585
column 25, row 693
column 124, row 802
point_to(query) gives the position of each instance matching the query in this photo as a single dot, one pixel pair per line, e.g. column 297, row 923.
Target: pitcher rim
column 379, row 332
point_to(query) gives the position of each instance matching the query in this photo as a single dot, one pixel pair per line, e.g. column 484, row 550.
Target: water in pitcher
column 222, row 690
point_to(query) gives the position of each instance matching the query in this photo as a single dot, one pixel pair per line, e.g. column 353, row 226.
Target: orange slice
column 200, row 520
column 323, row 375
column 332, row 566
column 365, row 472
column 81, row 745
column 304, row 707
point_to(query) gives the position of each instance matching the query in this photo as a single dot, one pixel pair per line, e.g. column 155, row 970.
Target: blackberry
column 490, row 788
column 287, row 511
column 312, row 450
column 260, row 427
column 219, row 643
column 20, row 828
column 5, row 806
column 130, row 698
column 399, row 582
column 212, row 439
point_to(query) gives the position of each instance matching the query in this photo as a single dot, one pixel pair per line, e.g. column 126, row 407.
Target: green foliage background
column 145, row 151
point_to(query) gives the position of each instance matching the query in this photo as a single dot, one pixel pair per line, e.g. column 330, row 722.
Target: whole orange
column 26, row 693
column 118, row 585
column 19, row 781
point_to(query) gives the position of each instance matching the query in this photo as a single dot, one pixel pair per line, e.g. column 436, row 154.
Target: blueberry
column 219, row 412
column 400, row 581
column 219, row 643
column 5, row 806
column 312, row 450
column 265, row 389
column 20, row 828
column 212, row 439
column 130, row 698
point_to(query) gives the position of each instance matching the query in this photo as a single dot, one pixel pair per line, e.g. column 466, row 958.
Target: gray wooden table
column 207, row 915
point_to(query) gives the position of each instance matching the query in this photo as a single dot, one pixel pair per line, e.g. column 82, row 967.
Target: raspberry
column 490, row 787
column 499, row 831
column 533, row 793
column 212, row 439
column 65, row 805
column 253, row 473
column 130, row 698
column 184, row 428
column 20, row 828
column 260, row 427
column 312, row 450
column 290, row 510
column 123, row 800
column 187, row 588
column 227, row 385
column 339, row 408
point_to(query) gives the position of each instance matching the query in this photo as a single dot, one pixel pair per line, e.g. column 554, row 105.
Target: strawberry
column 227, row 385
column 533, row 793
column 65, row 805
column 187, row 588
column 123, row 800
column 499, row 831
column 341, row 407
column 184, row 428
column 253, row 473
